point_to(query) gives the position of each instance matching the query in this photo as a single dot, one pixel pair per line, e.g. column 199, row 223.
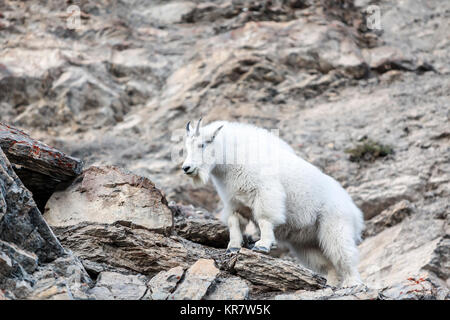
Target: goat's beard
column 202, row 177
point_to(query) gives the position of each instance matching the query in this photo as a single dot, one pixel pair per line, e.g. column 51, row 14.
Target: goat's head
column 200, row 159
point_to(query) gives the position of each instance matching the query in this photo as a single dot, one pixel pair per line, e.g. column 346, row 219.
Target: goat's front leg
column 269, row 212
column 235, row 233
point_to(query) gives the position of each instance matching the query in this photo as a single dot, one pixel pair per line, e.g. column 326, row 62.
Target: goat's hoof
column 232, row 250
column 261, row 249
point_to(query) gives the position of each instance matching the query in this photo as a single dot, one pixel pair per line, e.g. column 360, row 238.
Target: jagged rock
column 397, row 25
column 3, row 296
column 234, row 14
column 196, row 197
column 230, row 288
column 117, row 286
column 6, row 264
column 354, row 293
column 75, row 94
column 109, row 195
column 41, row 168
column 63, row 278
column 411, row 289
column 439, row 263
column 119, row 248
column 273, row 273
column 36, row 156
column 21, row 222
column 171, row 12
column 197, row 280
column 24, row 83
column 415, row 289
column 104, row 247
column 182, row 212
column 375, row 196
column 210, row 232
column 164, row 283
column 33, row 263
column 383, row 58
column 403, row 251
column 27, row 260
column 388, row 218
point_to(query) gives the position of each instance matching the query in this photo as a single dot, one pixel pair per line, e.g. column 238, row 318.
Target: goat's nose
column 186, row 168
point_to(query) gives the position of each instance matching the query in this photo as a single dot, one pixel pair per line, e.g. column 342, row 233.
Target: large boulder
column 109, row 195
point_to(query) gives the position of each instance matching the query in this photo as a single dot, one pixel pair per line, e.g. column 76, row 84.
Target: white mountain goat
column 260, row 178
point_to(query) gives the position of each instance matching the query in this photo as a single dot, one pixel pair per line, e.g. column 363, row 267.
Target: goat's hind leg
column 312, row 258
column 341, row 250
column 267, row 240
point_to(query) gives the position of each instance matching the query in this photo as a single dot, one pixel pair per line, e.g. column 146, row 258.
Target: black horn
column 187, row 126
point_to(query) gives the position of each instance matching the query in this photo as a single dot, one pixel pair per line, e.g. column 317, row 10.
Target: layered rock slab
column 40, row 167
column 119, row 248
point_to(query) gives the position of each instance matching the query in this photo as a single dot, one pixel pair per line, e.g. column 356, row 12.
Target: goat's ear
column 215, row 133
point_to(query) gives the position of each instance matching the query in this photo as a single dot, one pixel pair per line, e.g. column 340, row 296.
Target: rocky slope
column 119, row 89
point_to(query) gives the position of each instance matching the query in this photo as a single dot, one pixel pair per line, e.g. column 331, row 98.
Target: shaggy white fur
column 260, row 178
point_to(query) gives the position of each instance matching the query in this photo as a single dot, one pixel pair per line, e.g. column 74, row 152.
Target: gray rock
column 439, row 262
column 22, row 223
column 388, row 218
column 402, row 251
column 116, row 286
column 117, row 248
column 411, row 289
column 231, row 288
column 41, row 168
column 65, row 278
column 27, row 260
column 109, row 195
column 171, row 12
column 375, row 196
column 210, row 232
column 273, row 273
column 164, row 283
column 6, row 265
column 415, row 289
column 197, row 280
column 355, row 293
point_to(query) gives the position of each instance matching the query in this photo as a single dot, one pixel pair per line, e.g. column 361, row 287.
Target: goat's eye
column 203, row 145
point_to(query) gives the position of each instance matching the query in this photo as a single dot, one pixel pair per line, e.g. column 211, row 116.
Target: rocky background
column 369, row 107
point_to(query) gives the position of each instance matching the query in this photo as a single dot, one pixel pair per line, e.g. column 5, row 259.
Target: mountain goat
column 260, row 178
